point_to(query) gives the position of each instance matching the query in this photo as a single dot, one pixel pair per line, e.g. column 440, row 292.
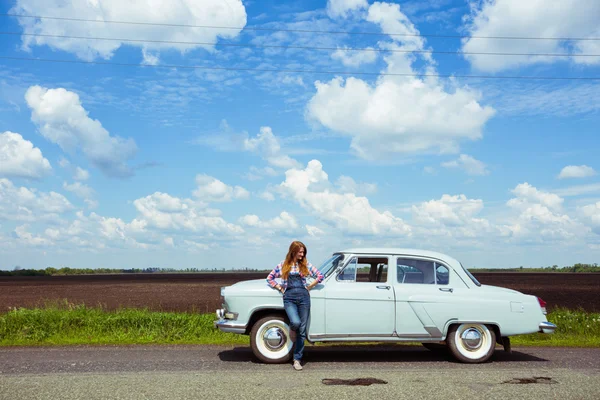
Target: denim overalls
column 296, row 302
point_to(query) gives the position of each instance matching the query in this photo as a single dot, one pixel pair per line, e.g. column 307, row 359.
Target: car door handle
column 383, row 287
column 443, row 289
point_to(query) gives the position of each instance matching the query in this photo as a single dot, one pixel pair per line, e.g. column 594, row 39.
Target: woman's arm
column 315, row 273
column 276, row 273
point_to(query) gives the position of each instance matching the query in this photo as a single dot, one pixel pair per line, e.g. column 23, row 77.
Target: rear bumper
column 547, row 327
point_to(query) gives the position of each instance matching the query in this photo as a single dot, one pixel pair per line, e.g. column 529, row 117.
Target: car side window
column 365, row 269
column 414, row 271
column 442, row 274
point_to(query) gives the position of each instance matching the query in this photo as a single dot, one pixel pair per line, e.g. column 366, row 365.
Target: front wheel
column 471, row 343
column 271, row 341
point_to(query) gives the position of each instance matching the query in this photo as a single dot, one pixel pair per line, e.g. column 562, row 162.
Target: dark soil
column 201, row 292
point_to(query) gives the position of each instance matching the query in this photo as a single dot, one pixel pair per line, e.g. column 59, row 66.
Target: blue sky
column 152, row 165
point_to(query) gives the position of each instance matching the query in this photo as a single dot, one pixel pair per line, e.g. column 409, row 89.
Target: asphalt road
column 211, row 372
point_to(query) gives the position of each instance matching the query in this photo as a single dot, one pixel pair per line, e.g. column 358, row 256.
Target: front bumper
column 547, row 327
column 228, row 326
column 226, row 322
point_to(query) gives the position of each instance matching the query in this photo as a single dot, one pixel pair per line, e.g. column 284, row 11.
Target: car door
column 360, row 304
column 423, row 292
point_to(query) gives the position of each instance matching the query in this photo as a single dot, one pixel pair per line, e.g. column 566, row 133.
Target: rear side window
column 414, row 271
column 424, row 272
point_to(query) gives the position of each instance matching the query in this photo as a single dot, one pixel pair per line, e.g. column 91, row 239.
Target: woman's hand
column 279, row 288
column 312, row 285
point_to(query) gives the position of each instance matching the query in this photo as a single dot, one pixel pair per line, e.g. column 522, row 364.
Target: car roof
column 399, row 252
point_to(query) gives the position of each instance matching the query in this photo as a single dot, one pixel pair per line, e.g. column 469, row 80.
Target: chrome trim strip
column 416, row 335
column 547, row 327
column 351, row 335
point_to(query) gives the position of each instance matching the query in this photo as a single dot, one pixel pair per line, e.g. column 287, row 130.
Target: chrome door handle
column 383, row 287
column 443, row 289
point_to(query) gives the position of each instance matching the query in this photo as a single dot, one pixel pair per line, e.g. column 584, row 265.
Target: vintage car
column 388, row 295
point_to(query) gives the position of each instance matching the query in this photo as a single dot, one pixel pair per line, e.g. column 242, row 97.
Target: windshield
column 475, row 281
column 331, row 264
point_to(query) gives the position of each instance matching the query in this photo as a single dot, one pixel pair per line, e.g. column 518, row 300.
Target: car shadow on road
column 375, row 353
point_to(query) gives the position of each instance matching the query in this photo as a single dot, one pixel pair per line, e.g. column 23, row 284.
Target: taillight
column 542, row 305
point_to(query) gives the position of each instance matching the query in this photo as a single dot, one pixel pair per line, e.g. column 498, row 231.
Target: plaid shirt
column 276, row 273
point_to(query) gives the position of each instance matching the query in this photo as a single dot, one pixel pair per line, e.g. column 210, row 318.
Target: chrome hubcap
column 471, row 339
column 274, row 338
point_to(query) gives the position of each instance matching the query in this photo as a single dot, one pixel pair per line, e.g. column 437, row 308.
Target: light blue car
column 388, row 295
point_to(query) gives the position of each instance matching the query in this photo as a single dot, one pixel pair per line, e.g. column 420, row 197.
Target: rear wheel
column 471, row 343
column 271, row 341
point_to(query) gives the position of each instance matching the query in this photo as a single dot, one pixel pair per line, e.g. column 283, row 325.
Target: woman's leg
column 303, row 313
column 291, row 309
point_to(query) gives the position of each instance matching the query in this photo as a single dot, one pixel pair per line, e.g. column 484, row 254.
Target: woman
column 296, row 301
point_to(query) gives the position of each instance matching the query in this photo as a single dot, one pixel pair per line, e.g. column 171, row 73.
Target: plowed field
column 200, row 292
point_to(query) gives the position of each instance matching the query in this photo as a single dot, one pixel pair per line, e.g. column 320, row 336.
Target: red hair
column 290, row 260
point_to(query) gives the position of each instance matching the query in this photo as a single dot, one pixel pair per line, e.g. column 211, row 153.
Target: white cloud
column 23, row 204
column 28, row 238
column 348, row 185
column 213, row 190
column 591, row 216
column 149, row 58
column 284, row 222
column 454, row 217
column 268, row 196
column 314, row 231
column 355, row 58
column 578, row 190
column 540, row 217
column 343, row 8
column 449, row 210
column 399, row 115
column 576, row 171
column 230, row 13
column 267, row 145
column 532, row 18
column 61, row 119
column 527, row 195
column 468, row 164
column 165, row 212
column 64, row 163
column 83, row 191
column 257, row 174
column 347, row 212
column 81, row 174
column 80, row 189
column 19, row 159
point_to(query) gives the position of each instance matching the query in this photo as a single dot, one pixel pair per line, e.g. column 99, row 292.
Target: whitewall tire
column 471, row 343
column 271, row 341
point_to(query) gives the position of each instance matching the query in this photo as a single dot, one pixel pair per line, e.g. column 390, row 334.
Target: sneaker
column 297, row 365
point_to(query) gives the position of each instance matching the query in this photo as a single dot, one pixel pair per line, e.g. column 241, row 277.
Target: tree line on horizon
column 51, row 271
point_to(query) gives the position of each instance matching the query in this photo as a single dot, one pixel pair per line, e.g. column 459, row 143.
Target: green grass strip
column 67, row 324
column 576, row 328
